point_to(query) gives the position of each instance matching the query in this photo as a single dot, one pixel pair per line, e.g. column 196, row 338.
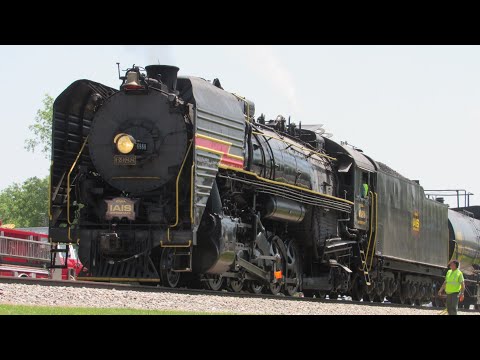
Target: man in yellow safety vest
column 454, row 286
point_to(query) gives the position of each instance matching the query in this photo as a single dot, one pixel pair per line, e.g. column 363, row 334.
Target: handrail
column 68, row 179
column 226, row 167
column 246, row 102
column 50, row 193
column 176, row 246
column 176, row 185
column 24, row 249
column 69, row 234
column 311, row 151
column 25, row 240
column 376, row 230
column 372, row 210
column 191, row 192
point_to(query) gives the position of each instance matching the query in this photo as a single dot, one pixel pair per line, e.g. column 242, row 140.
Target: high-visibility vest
column 365, row 190
column 454, row 281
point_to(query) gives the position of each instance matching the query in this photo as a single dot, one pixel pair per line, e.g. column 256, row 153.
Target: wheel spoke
column 292, row 269
column 256, row 287
column 276, row 287
column 214, row 282
column 168, row 276
column 236, row 284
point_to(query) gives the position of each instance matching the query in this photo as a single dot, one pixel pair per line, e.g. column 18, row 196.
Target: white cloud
column 263, row 60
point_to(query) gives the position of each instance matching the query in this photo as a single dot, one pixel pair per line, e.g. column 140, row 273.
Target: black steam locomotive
column 172, row 180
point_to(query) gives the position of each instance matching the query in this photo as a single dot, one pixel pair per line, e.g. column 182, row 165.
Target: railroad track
column 160, row 289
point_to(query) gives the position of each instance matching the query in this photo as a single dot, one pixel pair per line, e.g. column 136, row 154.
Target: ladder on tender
column 365, row 268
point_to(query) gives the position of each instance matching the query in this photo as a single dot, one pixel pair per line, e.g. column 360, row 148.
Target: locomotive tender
column 172, row 179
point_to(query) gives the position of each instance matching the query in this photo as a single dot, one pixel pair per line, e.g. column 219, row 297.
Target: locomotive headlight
column 125, row 143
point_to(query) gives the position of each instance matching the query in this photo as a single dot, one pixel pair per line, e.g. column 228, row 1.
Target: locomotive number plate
column 121, row 208
column 124, row 160
column 141, row 146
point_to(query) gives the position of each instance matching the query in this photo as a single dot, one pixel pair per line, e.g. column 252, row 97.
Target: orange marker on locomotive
column 172, row 179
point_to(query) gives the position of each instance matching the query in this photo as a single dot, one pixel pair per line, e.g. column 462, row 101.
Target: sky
column 414, row 108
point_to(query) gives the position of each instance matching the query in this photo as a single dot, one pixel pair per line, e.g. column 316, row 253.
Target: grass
column 45, row 310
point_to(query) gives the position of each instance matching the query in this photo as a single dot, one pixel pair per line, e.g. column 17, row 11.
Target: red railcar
column 24, row 253
column 28, row 254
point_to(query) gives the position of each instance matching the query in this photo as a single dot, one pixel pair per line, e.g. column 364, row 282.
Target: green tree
column 42, row 128
column 25, row 205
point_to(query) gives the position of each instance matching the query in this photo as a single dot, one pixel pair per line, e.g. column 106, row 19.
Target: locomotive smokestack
column 168, row 74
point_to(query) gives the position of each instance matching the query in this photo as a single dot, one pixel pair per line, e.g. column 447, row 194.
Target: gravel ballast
column 20, row 294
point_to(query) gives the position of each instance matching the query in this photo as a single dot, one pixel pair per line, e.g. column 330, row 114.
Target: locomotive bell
column 132, row 79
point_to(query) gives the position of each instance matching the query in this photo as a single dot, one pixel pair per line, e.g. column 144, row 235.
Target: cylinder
column 280, row 209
